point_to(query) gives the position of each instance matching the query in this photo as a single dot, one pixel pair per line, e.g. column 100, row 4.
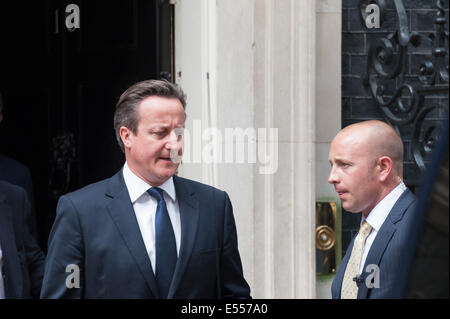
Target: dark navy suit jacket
column 13, row 172
column 23, row 260
column 96, row 229
column 388, row 252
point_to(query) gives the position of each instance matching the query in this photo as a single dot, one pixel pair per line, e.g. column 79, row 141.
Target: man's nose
column 174, row 140
column 332, row 177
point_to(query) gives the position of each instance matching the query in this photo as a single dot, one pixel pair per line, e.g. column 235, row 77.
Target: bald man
column 367, row 171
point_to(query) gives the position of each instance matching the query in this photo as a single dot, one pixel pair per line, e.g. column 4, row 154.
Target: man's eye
column 160, row 133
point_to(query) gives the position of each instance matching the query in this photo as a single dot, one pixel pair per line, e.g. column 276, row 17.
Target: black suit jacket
column 96, row 230
column 23, row 260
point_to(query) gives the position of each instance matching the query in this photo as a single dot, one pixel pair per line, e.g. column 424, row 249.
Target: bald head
column 378, row 139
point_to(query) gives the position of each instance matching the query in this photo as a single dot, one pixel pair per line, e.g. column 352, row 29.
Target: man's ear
column 384, row 166
column 126, row 135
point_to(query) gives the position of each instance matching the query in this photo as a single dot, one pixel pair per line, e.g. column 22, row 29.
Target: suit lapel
column 122, row 213
column 384, row 236
column 11, row 263
column 189, row 221
column 377, row 249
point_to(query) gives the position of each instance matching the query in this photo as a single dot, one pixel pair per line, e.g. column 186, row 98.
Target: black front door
column 63, row 67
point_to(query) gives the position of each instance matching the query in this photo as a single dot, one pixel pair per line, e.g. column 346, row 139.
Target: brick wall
column 357, row 103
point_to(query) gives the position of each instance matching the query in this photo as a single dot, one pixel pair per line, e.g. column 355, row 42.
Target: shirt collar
column 137, row 187
column 380, row 212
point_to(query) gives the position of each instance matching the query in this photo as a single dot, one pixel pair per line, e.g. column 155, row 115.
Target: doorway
column 60, row 86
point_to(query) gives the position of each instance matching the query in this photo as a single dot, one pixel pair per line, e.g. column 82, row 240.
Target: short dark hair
column 128, row 105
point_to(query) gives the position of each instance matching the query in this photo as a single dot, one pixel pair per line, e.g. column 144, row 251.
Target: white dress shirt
column 145, row 206
column 2, row 284
column 377, row 217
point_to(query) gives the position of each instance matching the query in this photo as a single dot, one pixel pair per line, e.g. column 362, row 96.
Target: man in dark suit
column 13, row 172
column 18, row 174
column 21, row 259
column 145, row 233
column 366, row 171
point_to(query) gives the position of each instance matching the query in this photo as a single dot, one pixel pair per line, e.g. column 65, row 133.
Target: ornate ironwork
column 63, row 155
column 388, row 61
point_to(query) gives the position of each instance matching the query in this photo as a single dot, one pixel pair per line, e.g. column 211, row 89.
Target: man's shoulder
column 195, row 186
column 9, row 165
column 95, row 189
column 13, row 196
column 402, row 213
column 10, row 162
column 408, row 199
column 11, row 191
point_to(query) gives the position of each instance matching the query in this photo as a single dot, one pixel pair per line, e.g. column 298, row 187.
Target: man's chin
column 160, row 177
column 348, row 208
column 168, row 172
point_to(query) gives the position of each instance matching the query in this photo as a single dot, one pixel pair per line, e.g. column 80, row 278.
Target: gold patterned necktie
column 349, row 287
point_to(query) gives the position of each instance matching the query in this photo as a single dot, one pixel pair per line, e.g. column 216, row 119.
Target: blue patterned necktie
column 165, row 245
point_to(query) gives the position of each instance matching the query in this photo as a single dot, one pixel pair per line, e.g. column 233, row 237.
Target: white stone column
column 328, row 85
column 214, row 65
column 284, row 78
column 252, row 64
column 328, row 101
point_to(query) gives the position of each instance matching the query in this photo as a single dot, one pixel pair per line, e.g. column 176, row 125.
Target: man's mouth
column 341, row 192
